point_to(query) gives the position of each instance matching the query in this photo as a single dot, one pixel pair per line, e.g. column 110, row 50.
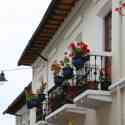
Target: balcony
column 88, row 88
column 96, row 91
column 65, row 113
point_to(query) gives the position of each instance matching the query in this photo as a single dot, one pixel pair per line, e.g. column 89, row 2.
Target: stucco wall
column 24, row 116
column 88, row 21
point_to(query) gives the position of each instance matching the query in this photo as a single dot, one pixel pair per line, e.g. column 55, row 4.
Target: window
column 108, row 41
column 108, row 32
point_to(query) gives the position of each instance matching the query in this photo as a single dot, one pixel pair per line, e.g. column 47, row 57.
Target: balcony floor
column 93, row 99
column 65, row 113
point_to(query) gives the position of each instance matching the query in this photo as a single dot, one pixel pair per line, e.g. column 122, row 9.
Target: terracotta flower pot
column 92, row 85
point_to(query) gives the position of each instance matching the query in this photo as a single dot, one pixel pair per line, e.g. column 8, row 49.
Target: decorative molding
column 93, row 98
column 105, row 6
column 120, row 83
column 67, row 108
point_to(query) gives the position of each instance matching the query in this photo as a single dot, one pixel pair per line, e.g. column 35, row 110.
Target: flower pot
column 92, row 85
column 34, row 102
column 42, row 97
column 79, row 61
column 71, row 92
column 88, row 85
column 105, row 85
column 58, row 80
column 67, row 72
column 29, row 105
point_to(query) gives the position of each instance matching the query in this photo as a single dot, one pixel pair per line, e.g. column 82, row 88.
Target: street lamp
column 2, row 77
column 2, row 74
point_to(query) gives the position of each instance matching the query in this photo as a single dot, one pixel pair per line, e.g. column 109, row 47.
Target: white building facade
column 19, row 109
column 22, row 117
column 87, row 21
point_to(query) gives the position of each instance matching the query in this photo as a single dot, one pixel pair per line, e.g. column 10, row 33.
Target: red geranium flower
column 72, row 45
column 71, row 55
column 78, row 44
column 88, row 50
column 123, row 5
column 65, row 53
column 117, row 9
column 78, row 48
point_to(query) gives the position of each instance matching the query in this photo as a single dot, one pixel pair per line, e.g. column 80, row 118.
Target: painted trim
column 41, row 123
column 105, row 6
column 120, row 83
column 67, row 108
column 92, row 93
column 109, row 54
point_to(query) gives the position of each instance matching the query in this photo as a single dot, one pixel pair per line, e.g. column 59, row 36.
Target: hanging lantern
column 2, row 77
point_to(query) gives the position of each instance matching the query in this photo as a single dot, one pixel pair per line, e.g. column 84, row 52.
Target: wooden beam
column 43, row 39
column 62, row 12
column 60, row 18
column 55, row 22
column 38, row 45
column 51, row 26
column 50, row 31
column 64, row 7
column 44, row 35
column 54, row 19
column 67, row 1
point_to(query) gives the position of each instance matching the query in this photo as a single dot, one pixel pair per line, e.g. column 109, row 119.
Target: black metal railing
column 41, row 112
column 39, row 115
column 95, row 74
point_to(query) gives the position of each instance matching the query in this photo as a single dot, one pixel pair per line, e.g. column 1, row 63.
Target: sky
column 18, row 21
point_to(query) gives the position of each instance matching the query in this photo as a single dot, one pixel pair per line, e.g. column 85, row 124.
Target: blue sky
column 18, row 21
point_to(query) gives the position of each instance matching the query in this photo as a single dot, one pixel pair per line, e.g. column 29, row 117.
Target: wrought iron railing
column 95, row 74
column 39, row 114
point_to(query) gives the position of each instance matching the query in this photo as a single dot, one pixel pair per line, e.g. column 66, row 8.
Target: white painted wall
column 24, row 116
column 87, row 19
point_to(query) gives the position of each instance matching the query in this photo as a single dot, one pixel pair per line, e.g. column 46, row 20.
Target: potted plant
column 67, row 69
column 120, row 9
column 56, row 68
column 41, row 92
column 105, row 77
column 32, row 101
column 71, row 91
column 79, row 52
